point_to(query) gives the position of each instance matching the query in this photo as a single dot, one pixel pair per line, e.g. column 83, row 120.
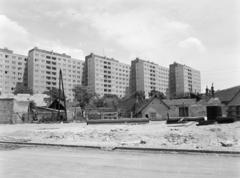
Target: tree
column 108, row 100
column 31, row 107
column 54, row 94
column 140, row 95
column 23, row 91
column 99, row 102
column 83, row 94
column 157, row 93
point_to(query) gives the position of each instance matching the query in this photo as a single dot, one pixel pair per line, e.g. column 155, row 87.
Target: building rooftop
column 146, row 61
column 184, row 66
column 50, row 52
column 103, row 57
column 6, row 50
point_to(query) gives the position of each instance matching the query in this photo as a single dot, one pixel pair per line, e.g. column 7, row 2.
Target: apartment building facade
column 44, row 67
column 147, row 76
column 183, row 79
column 13, row 71
column 107, row 75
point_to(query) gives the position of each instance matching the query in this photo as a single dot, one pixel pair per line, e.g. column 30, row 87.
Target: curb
column 183, row 151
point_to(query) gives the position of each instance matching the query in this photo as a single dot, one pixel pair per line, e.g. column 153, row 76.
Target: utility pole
column 64, row 98
column 59, row 94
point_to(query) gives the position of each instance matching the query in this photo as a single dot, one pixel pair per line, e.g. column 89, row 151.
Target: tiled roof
column 226, row 95
column 149, row 101
column 180, row 102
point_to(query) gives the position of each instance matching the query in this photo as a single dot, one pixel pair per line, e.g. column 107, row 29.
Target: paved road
column 71, row 163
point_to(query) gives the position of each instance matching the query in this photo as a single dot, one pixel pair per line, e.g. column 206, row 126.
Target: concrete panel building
column 13, row 71
column 147, row 76
column 107, row 75
column 183, row 79
column 43, row 73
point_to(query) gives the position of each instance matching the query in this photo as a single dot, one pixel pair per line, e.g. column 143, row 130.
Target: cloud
column 192, row 43
column 137, row 30
column 17, row 38
column 12, row 34
column 54, row 14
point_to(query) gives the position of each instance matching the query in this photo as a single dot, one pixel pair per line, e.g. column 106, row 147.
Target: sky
column 202, row 34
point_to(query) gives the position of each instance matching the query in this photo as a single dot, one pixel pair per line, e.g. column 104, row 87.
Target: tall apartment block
column 147, row 76
column 183, row 79
column 44, row 67
column 107, row 75
column 13, row 71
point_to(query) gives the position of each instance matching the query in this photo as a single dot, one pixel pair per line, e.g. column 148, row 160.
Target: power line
column 219, row 70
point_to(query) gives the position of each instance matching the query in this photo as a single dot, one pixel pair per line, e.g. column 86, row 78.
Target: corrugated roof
column 226, row 95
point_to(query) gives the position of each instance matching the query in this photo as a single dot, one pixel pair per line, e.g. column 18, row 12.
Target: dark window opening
column 183, row 111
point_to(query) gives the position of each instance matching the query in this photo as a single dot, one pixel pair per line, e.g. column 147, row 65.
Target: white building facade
column 107, row 75
column 147, row 76
column 44, row 67
column 13, row 71
column 184, row 79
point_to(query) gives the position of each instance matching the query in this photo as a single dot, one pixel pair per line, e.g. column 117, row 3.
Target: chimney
column 212, row 89
column 206, row 90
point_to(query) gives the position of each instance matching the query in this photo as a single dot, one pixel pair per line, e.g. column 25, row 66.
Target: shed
column 73, row 109
column 56, row 104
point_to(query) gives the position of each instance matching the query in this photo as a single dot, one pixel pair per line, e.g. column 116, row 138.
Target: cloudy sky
column 203, row 34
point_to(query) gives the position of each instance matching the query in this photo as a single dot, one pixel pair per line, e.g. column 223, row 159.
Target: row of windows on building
column 111, row 63
column 59, row 59
column 147, row 66
column 41, row 62
column 7, row 56
column 64, row 70
column 14, row 63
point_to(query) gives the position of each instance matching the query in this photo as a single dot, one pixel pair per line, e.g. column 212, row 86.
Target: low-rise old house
column 154, row 109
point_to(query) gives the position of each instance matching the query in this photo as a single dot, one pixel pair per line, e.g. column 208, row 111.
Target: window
column 153, row 116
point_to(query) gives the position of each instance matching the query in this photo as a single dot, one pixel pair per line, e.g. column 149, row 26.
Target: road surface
column 67, row 162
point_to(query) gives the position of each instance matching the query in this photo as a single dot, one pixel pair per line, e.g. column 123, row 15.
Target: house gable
column 156, row 108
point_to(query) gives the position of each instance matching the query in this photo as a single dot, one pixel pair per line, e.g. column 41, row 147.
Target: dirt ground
column 152, row 135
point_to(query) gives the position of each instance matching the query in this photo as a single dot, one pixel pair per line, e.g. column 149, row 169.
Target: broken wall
column 6, row 111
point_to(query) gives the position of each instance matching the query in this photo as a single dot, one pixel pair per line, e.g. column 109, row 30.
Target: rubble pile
column 153, row 135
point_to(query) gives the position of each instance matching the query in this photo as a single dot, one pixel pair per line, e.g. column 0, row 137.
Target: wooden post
column 65, row 107
column 59, row 93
